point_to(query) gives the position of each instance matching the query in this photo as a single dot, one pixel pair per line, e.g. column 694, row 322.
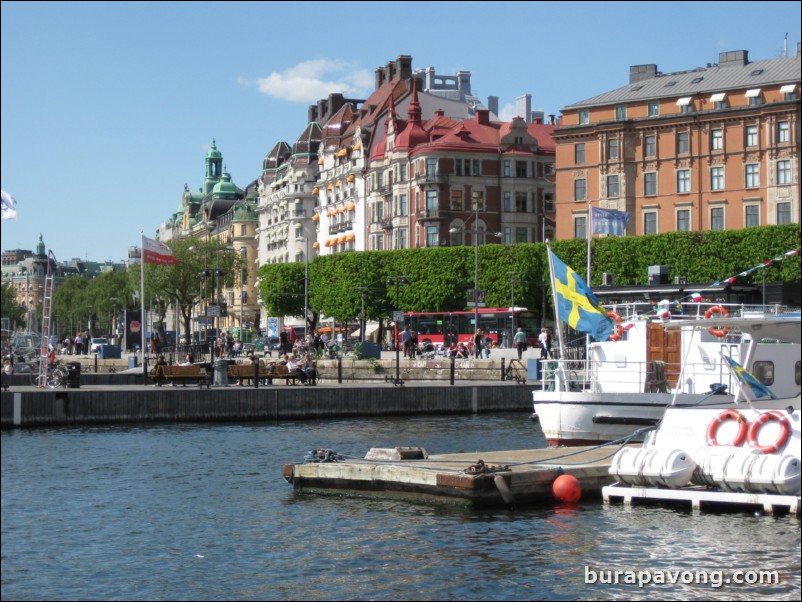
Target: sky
column 109, row 108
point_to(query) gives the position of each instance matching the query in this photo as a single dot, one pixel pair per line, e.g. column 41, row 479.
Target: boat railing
column 693, row 310
column 624, row 376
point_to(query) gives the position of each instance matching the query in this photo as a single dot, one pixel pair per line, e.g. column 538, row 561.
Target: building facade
column 713, row 148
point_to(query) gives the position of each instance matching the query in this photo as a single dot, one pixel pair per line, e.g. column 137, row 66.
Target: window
column 782, row 132
column 752, row 175
column 612, row 148
column 612, row 187
column 402, row 204
column 763, row 371
column 507, row 207
column 520, row 169
column 719, row 101
column 717, row 140
column 789, row 92
column 621, row 112
column 580, row 189
column 751, row 216
column 431, row 167
column 783, row 213
column 653, row 108
column 475, row 167
column 403, row 172
column 755, row 99
column 548, row 202
column 716, row 178
column 521, row 235
column 685, row 104
column 431, row 200
column 683, row 220
column 456, row 200
column 580, row 226
column 751, row 135
column 650, row 184
column 784, row 171
column 717, row 218
column 432, row 238
column 584, row 117
column 478, row 202
column 650, row 146
column 683, row 144
column 507, row 171
column 650, row 222
column 520, row 202
column 401, row 238
column 507, row 235
column 683, row 181
column 579, row 153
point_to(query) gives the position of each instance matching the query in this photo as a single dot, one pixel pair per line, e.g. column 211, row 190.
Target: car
column 265, row 344
column 94, row 345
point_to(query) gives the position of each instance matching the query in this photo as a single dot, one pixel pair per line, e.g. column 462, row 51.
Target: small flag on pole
column 9, row 206
column 748, row 380
column 156, row 252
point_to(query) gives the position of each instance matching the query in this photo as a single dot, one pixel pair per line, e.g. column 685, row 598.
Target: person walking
column 477, row 343
column 520, row 342
column 545, row 344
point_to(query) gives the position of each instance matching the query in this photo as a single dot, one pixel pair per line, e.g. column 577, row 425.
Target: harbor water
column 201, row 512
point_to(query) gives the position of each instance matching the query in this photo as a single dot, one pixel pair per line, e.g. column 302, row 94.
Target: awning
column 752, row 93
column 350, row 179
column 684, row 101
column 338, row 184
column 718, row 97
column 315, row 190
column 329, row 187
column 788, row 89
column 315, row 217
column 350, row 236
column 342, row 152
column 315, row 245
column 357, row 146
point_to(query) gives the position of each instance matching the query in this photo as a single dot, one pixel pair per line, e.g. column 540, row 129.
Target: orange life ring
column 782, row 439
column 712, row 428
column 619, row 330
column 717, row 309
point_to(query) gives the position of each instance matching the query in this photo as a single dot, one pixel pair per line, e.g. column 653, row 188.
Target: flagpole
column 590, row 235
column 554, row 301
column 143, row 321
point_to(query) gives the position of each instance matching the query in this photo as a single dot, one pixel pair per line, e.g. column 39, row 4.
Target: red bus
column 458, row 326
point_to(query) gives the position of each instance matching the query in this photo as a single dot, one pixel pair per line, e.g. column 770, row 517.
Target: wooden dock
column 485, row 479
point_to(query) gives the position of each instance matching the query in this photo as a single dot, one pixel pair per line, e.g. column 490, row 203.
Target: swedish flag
column 748, row 380
column 577, row 306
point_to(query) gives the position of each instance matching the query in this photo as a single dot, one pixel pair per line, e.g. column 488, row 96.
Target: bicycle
column 55, row 378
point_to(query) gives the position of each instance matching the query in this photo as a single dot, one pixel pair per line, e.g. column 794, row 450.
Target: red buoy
column 566, row 488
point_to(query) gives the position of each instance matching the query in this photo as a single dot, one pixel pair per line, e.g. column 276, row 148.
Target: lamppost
column 513, row 277
column 476, row 235
column 398, row 281
column 243, row 251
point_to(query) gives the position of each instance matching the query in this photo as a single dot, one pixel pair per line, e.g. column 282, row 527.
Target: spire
column 414, row 105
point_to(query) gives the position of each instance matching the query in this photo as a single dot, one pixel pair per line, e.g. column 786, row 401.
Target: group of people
column 77, row 345
column 543, row 339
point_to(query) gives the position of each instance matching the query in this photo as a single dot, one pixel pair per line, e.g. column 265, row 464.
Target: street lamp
column 476, row 234
column 243, row 251
column 513, row 277
column 398, row 281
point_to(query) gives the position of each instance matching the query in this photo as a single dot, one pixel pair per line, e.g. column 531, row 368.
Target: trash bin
column 371, row 350
column 73, row 375
column 221, row 373
column 132, row 362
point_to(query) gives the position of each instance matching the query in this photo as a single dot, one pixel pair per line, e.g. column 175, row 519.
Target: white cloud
column 312, row 80
column 507, row 112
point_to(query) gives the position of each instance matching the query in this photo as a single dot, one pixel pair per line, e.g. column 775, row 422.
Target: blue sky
column 108, row 108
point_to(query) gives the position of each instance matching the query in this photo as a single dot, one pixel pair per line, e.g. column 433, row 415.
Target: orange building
column 713, row 148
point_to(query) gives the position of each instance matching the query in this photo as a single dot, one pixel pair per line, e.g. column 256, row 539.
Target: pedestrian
column 545, row 343
column 477, row 343
column 520, row 342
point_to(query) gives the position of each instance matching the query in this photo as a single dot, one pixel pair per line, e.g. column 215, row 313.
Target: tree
column 12, row 311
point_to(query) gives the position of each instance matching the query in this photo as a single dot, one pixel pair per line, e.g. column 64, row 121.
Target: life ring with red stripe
column 782, row 438
column 712, row 428
column 717, row 309
column 619, row 329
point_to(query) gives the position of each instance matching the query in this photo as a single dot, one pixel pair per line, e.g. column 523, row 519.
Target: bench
column 280, row 371
column 242, row 372
column 182, row 374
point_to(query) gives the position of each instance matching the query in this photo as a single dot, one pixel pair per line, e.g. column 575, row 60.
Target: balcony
column 431, row 214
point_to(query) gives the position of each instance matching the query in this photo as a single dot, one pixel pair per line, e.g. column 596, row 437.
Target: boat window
column 798, row 373
column 764, row 372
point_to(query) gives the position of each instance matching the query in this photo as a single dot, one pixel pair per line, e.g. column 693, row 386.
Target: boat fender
column 718, row 332
column 779, row 442
column 619, row 329
column 712, row 428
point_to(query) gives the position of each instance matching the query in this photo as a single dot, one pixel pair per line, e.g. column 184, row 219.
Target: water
column 199, row 512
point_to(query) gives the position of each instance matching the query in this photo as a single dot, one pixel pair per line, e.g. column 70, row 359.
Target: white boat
column 746, row 453
column 626, row 384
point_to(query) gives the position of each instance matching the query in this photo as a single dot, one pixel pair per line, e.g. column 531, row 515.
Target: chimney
column 482, row 116
column 379, row 78
column 639, row 73
column 404, row 66
column 492, row 104
column 733, row 58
